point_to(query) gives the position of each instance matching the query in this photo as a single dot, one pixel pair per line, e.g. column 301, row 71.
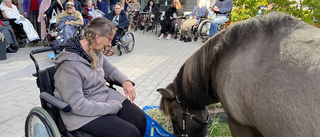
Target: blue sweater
column 224, row 7
column 201, row 12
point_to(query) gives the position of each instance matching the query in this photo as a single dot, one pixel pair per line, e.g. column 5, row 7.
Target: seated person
column 77, row 5
column 80, row 81
column 89, row 7
column 91, row 11
column 119, row 19
column 194, row 18
column 71, row 12
column 269, row 7
column 221, row 7
column 171, row 19
column 132, row 9
column 9, row 37
column 152, row 9
column 11, row 11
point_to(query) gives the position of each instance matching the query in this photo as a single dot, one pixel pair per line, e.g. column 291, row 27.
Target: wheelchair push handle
column 36, row 51
column 40, row 50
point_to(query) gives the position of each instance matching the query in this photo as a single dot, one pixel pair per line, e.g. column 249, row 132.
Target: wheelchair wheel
column 204, row 28
column 40, row 124
column 130, row 47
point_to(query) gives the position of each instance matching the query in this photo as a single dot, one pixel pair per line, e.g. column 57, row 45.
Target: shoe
column 168, row 37
column 161, row 36
column 188, row 40
column 182, row 38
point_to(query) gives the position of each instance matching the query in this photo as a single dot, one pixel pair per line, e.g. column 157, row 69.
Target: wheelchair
column 21, row 36
column 45, row 121
column 125, row 41
column 204, row 26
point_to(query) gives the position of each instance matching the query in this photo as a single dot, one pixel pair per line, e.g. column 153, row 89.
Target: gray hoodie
column 84, row 88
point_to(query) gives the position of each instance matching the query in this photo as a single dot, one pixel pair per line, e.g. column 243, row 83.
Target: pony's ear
column 166, row 93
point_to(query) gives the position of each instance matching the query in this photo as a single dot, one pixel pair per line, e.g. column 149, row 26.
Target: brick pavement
column 152, row 64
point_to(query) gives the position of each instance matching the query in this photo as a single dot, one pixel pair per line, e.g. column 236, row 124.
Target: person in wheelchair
column 120, row 20
column 11, row 11
column 68, row 24
column 80, row 81
column 199, row 10
column 153, row 10
column 133, row 11
column 221, row 8
column 171, row 18
column 71, row 12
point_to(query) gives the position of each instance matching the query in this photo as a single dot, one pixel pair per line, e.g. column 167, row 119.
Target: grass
column 216, row 126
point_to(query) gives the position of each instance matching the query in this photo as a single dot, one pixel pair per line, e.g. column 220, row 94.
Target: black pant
column 114, row 40
column 33, row 17
column 168, row 25
column 129, row 122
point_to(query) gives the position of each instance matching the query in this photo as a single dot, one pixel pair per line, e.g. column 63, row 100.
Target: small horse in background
column 265, row 71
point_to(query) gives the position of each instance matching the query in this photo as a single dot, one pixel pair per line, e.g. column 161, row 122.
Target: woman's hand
column 44, row 15
column 25, row 14
column 129, row 90
column 171, row 17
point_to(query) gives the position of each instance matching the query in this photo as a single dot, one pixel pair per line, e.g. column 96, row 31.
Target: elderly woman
column 81, row 71
column 194, row 18
column 153, row 10
column 89, row 7
column 171, row 19
column 11, row 11
column 132, row 9
column 119, row 19
column 71, row 12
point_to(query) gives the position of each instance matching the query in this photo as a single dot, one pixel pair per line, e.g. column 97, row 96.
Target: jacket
column 26, row 5
column 123, row 19
column 10, row 12
column 75, row 14
column 84, row 88
column 154, row 9
column 171, row 11
column 224, row 7
column 86, row 11
column 201, row 11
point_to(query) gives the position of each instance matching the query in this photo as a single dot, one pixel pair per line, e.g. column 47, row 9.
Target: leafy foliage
column 307, row 10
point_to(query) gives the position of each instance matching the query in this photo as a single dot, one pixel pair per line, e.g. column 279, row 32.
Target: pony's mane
column 198, row 72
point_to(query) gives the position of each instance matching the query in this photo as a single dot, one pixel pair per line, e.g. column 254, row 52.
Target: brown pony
column 266, row 73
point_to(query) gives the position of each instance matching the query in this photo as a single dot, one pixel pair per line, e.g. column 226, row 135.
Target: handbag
column 126, row 40
column 53, row 17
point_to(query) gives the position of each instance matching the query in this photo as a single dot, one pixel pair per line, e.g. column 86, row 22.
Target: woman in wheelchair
column 11, row 11
column 120, row 20
column 194, row 18
column 171, row 19
column 80, row 81
column 153, row 10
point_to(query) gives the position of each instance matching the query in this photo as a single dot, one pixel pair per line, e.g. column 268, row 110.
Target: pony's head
column 181, row 117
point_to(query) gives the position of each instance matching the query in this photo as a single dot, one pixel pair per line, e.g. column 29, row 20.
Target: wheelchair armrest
column 55, row 102
column 9, row 19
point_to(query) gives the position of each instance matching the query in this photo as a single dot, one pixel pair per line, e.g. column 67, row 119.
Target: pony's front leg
column 239, row 130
